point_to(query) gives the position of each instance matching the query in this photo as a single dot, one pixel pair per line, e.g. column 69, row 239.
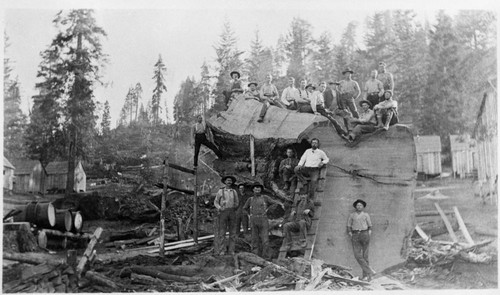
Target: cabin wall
column 389, row 158
column 463, row 162
column 429, row 163
column 8, row 176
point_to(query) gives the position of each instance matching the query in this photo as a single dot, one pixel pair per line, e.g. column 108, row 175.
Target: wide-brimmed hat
column 235, row 72
column 237, row 90
column 382, row 63
column 311, row 85
column 223, row 179
column 390, row 91
column 365, row 101
column 254, row 83
column 257, row 184
column 359, row 201
column 334, row 83
column 347, row 70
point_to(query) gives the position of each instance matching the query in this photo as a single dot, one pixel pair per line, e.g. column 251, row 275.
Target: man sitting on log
column 290, row 95
column 269, row 96
column 303, row 96
column 318, row 107
column 299, row 221
column 386, row 111
column 201, row 135
column 364, row 124
column 286, row 171
column 309, row 167
column 374, row 89
column 252, row 92
column 236, row 88
column 256, row 207
column 226, row 201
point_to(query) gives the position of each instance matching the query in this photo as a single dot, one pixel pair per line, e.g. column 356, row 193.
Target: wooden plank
column 163, row 207
column 180, row 168
column 252, row 153
column 88, row 251
column 180, row 246
column 446, row 223
column 33, row 258
column 175, row 243
column 462, row 226
column 422, row 233
column 40, row 269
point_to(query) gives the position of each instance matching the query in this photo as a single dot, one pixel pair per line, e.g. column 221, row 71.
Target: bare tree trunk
column 70, row 181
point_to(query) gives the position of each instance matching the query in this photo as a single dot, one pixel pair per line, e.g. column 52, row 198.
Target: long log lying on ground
column 164, row 276
column 34, row 258
column 254, row 259
column 103, row 280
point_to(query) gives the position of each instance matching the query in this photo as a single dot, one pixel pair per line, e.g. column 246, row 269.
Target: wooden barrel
column 56, row 242
column 42, row 239
column 77, row 220
column 41, row 214
column 64, row 220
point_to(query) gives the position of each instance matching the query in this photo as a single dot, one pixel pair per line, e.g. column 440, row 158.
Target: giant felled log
column 380, row 169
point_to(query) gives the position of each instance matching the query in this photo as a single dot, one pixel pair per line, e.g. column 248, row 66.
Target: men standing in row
column 349, row 91
column 290, row 95
column 309, row 166
column 269, row 96
column 385, row 77
column 199, row 133
column 256, row 207
column 374, row 89
column 226, row 202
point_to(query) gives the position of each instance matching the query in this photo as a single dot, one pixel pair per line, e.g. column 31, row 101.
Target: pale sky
column 183, row 32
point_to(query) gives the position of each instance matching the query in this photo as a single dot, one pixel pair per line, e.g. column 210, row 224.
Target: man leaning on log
column 201, row 134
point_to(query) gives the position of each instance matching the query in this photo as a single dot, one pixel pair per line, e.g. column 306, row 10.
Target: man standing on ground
column 374, row 89
column 290, row 95
column 309, row 166
column 270, row 96
column 241, row 216
column 256, row 207
column 286, row 171
column 349, row 92
column 226, row 202
column 199, row 134
column 359, row 228
column 299, row 221
column 385, row 77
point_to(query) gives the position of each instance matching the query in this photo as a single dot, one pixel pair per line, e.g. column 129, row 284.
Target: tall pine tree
column 160, row 87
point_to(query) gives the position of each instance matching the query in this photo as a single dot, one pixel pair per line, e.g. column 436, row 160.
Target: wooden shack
column 27, row 176
column 463, row 155
column 57, row 174
column 8, row 175
column 486, row 136
column 385, row 182
column 428, row 150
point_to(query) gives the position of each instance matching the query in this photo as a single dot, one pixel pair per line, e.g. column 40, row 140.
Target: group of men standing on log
column 378, row 108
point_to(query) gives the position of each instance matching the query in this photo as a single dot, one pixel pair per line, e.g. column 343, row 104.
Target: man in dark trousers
column 256, row 207
column 241, row 216
column 349, row 92
column 309, row 166
column 299, row 221
column 226, row 202
column 286, row 171
column 359, row 227
column 199, row 135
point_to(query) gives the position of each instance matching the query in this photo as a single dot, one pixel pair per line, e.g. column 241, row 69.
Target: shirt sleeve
column 380, row 86
column 284, row 96
column 314, row 101
column 356, row 87
column 275, row 90
column 247, row 206
column 324, row 158
column 391, row 81
column 368, row 221
column 302, row 159
column 349, row 221
column 218, row 195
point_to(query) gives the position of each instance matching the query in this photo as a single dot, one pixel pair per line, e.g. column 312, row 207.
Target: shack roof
column 7, row 164
column 24, row 166
column 461, row 142
column 428, row 144
column 242, row 115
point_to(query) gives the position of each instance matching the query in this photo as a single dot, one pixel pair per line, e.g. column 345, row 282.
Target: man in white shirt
column 309, row 166
column 365, row 123
column 290, row 95
column 269, row 96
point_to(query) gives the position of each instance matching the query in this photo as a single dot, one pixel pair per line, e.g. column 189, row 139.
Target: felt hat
column 359, row 201
column 382, row 63
column 348, row 70
column 257, row 184
column 365, row 101
column 390, row 91
column 333, row 83
column 237, row 90
column 311, row 85
column 254, row 83
column 223, row 179
column 235, row 72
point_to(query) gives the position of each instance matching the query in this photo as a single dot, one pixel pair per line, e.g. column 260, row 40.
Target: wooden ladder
column 313, row 230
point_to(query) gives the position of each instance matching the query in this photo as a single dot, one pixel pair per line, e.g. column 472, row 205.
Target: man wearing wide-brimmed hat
column 359, row 227
column 364, row 124
column 226, row 202
column 374, row 89
column 236, row 87
column 252, row 92
column 310, row 92
column 256, row 207
column 349, row 91
column 386, row 111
